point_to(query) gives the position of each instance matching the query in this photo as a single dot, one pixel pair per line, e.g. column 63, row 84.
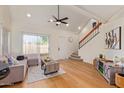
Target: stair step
column 76, row 52
column 73, row 55
column 74, row 58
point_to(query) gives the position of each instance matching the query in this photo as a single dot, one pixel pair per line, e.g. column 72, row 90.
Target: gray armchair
column 33, row 59
column 49, row 67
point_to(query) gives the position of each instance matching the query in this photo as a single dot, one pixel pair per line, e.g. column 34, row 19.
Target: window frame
column 36, row 34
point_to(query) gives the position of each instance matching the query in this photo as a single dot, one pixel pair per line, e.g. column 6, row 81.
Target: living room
column 37, row 34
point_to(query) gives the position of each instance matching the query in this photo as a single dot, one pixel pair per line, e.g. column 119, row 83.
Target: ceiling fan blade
column 58, row 20
column 64, row 18
column 64, row 22
column 55, row 18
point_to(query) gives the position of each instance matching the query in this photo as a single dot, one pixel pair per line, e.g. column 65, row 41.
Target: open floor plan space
column 78, row 74
column 62, row 46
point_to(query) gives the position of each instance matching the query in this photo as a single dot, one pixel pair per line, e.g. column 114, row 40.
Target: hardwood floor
column 78, row 75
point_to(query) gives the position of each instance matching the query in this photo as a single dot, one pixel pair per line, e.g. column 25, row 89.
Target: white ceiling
column 78, row 15
column 102, row 12
column 41, row 15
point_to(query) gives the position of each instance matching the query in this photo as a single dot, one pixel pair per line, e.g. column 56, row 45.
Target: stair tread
column 75, row 53
column 75, row 58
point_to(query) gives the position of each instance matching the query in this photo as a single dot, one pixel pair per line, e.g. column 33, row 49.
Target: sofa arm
column 16, row 75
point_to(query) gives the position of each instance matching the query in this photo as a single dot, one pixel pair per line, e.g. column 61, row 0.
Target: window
column 35, row 44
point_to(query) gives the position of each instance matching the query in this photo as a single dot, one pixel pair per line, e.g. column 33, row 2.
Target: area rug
column 35, row 74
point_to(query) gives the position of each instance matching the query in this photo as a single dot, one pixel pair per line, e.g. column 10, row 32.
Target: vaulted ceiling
column 78, row 15
column 102, row 12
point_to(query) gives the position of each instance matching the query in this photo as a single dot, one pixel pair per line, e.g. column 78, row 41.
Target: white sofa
column 17, row 73
column 32, row 59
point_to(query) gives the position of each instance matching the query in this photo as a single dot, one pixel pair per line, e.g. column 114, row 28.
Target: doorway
column 63, row 47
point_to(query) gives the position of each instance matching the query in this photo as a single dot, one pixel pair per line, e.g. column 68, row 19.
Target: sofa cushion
column 4, row 59
column 33, row 56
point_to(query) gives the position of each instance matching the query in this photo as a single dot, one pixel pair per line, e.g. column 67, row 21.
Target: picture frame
column 113, row 39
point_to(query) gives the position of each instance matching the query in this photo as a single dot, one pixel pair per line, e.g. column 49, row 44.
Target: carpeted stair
column 75, row 56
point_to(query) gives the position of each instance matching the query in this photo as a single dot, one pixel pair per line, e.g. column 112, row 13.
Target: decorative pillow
column 10, row 61
column 14, row 60
column 20, row 58
column 5, row 59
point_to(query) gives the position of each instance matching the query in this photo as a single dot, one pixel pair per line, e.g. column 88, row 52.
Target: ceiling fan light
column 67, row 25
column 58, row 23
column 59, row 20
column 51, row 20
column 79, row 28
column 28, row 15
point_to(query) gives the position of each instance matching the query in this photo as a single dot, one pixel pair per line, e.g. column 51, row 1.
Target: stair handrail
column 96, row 27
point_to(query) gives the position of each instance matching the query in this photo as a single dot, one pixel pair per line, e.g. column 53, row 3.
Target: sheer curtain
column 4, row 41
column 35, row 44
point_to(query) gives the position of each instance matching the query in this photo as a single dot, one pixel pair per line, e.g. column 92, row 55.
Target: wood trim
column 88, row 40
column 97, row 26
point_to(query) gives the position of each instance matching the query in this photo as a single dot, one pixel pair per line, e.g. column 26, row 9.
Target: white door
column 62, row 47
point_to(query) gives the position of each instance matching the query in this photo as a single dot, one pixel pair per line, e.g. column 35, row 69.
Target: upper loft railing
column 90, row 35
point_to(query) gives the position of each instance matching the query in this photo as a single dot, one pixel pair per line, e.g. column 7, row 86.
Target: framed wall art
column 113, row 39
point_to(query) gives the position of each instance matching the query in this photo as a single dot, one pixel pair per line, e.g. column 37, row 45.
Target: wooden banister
column 97, row 26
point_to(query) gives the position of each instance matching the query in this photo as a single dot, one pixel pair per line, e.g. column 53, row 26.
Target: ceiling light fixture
column 59, row 20
column 51, row 20
column 67, row 25
column 28, row 15
column 79, row 28
column 58, row 23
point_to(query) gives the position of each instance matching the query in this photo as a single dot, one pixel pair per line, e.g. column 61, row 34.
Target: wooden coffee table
column 49, row 67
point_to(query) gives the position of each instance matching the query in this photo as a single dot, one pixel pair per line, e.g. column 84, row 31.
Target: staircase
column 75, row 56
column 93, row 33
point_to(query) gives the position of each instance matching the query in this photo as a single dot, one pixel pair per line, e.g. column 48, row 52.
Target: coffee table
column 49, row 67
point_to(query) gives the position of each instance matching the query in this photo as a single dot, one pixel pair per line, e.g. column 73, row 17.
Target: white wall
column 97, row 45
column 109, row 26
column 92, row 49
column 54, row 34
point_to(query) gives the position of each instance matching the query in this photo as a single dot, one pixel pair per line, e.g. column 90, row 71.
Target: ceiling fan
column 59, row 20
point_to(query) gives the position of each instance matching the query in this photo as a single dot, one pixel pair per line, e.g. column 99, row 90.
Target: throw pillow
column 20, row 58
column 14, row 60
column 10, row 61
column 5, row 59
